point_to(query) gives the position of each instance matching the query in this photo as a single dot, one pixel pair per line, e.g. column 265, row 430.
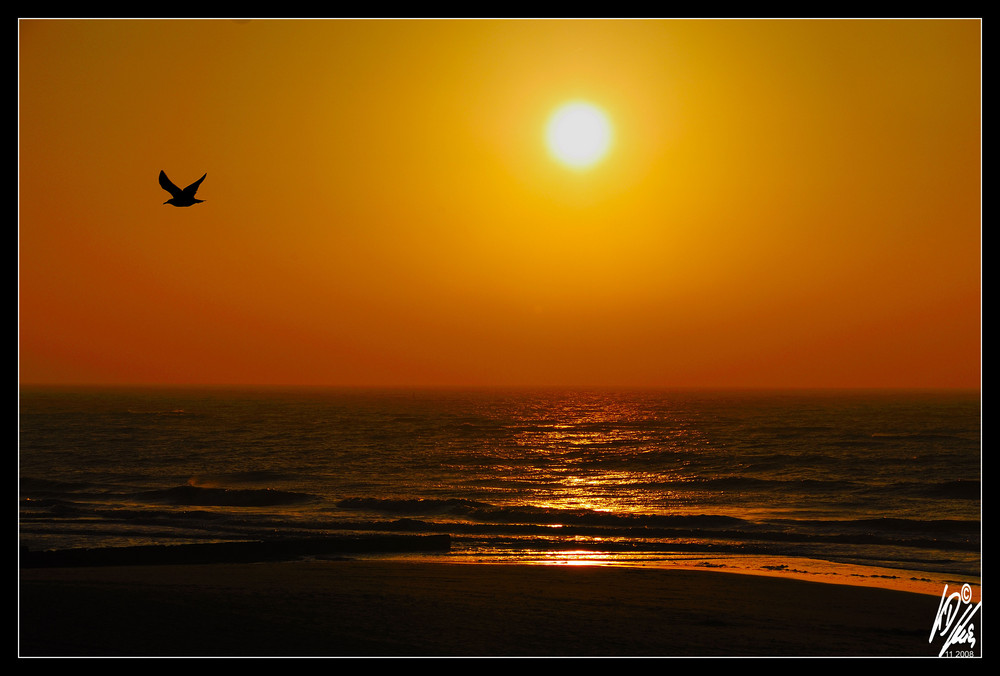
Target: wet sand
column 394, row 608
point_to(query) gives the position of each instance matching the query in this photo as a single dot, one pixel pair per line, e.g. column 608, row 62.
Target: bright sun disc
column 578, row 134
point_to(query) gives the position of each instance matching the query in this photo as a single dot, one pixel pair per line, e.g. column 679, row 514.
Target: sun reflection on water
column 578, row 557
column 587, row 457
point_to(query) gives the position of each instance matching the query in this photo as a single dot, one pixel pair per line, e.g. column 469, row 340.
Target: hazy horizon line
column 487, row 387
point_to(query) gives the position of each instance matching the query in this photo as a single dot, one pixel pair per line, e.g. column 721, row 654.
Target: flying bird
column 178, row 197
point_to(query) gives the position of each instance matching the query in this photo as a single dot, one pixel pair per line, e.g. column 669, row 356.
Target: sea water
column 882, row 480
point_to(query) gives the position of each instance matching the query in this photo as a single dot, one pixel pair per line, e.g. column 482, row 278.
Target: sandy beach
column 353, row 608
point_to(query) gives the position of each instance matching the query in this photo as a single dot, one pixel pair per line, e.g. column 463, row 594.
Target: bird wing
column 166, row 184
column 193, row 188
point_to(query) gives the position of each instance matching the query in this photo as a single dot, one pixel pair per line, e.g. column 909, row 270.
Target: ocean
column 862, row 484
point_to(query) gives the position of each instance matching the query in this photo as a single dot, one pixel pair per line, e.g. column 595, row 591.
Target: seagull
column 180, row 198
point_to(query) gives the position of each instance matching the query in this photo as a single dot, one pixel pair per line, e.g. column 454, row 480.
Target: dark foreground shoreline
column 385, row 608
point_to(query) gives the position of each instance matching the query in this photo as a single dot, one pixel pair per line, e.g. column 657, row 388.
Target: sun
column 578, row 134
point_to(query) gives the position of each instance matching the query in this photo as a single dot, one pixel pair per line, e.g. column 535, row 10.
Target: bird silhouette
column 180, row 198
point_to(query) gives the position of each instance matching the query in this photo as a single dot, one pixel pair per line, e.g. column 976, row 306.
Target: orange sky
column 785, row 203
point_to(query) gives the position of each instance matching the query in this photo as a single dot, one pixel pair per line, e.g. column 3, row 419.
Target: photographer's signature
column 954, row 622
